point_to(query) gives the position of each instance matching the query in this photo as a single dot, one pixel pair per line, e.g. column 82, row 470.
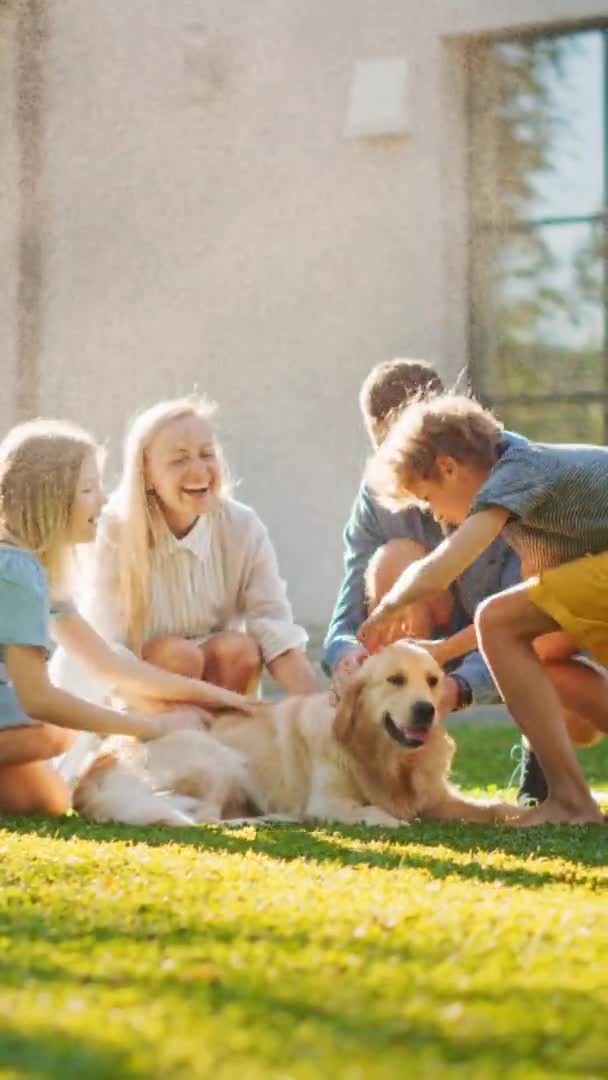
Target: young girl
column 185, row 576
column 50, row 497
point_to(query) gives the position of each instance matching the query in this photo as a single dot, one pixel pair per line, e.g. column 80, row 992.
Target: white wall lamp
column 378, row 103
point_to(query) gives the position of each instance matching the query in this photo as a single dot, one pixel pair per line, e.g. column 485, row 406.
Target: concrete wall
column 9, row 214
column 207, row 223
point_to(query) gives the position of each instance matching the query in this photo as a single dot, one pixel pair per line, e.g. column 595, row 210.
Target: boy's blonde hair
column 133, row 520
column 40, row 463
column 445, row 425
column 389, row 387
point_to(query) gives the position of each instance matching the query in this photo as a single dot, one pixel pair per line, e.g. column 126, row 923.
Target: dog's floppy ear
column 348, row 705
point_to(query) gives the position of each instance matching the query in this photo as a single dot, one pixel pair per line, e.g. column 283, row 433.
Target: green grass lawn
column 288, row 952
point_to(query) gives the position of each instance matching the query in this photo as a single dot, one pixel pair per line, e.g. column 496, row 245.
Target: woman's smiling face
column 183, row 471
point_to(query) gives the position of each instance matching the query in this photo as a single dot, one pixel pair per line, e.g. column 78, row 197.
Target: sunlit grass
column 298, row 952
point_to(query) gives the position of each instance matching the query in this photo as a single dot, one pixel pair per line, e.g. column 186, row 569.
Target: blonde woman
column 50, row 498
column 184, row 575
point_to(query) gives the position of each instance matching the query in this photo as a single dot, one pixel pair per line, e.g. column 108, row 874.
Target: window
column 539, row 215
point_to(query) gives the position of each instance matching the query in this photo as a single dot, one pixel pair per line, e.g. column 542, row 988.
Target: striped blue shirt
column 557, row 497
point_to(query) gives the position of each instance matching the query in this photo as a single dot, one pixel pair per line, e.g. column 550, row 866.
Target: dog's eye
column 432, row 680
column 397, row 680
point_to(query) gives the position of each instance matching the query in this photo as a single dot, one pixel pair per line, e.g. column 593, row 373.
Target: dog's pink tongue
column 419, row 736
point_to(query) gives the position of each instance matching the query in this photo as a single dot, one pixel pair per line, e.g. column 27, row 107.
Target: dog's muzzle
column 422, row 716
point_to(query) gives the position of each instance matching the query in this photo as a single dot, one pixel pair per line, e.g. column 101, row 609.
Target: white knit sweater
column 222, row 575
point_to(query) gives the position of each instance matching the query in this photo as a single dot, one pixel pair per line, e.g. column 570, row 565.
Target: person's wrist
column 440, row 652
column 351, row 659
column 464, row 692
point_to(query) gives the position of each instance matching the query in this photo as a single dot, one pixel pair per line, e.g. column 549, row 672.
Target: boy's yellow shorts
column 575, row 594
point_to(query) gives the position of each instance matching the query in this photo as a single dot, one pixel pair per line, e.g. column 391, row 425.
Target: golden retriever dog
column 180, row 779
column 381, row 758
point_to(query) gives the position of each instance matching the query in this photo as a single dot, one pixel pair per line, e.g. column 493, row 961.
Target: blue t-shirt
column 25, row 614
column 24, row 601
column 25, row 606
column 557, row 498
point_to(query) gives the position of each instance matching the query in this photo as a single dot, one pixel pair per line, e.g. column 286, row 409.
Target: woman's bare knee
column 232, row 660
column 174, row 654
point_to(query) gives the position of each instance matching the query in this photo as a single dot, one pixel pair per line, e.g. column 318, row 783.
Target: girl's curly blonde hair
column 40, row 463
column 442, row 425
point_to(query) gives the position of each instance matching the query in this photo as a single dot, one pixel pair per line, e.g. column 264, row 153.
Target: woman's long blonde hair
column 133, row 515
column 40, row 463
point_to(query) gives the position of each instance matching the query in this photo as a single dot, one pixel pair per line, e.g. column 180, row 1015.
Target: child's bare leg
column 507, row 625
column 34, row 788
column 35, row 742
column 423, row 619
column 27, row 784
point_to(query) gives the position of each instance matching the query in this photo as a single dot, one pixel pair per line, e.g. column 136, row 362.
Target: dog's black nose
column 423, row 713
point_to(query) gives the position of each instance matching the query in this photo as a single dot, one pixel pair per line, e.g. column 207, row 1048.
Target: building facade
column 260, row 201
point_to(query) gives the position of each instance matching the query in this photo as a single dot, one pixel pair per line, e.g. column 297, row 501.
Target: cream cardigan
column 222, row 575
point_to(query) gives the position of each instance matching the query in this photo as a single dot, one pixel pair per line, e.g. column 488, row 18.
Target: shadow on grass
column 360, row 1024
column 579, row 847
column 49, row 1052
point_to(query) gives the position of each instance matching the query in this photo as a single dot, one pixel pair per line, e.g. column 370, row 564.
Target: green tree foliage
column 539, row 288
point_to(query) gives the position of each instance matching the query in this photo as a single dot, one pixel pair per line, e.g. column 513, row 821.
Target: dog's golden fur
column 381, row 758
column 179, row 779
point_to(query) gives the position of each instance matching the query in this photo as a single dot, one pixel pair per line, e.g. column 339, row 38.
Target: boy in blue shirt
column 551, row 504
column 379, row 544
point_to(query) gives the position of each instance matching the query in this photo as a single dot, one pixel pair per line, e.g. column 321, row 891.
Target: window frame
column 477, row 229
